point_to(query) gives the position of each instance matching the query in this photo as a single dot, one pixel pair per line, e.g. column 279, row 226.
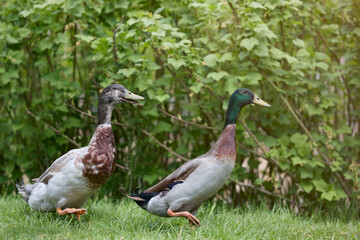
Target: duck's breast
column 99, row 162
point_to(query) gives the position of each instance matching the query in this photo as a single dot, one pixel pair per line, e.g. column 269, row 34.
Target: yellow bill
column 260, row 102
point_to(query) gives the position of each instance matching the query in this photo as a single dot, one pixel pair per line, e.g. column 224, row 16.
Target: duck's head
column 240, row 98
column 111, row 95
column 244, row 96
column 116, row 93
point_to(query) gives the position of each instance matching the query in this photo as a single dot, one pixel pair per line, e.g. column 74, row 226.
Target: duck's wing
column 58, row 165
column 178, row 175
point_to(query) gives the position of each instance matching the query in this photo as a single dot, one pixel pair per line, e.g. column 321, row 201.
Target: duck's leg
column 68, row 211
column 192, row 219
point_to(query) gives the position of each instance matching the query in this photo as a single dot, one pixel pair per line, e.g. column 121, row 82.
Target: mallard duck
column 181, row 193
column 71, row 179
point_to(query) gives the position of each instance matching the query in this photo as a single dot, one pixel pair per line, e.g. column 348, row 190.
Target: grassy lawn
column 125, row 220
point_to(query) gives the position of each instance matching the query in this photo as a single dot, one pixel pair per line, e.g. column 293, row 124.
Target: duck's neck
column 233, row 111
column 225, row 146
column 104, row 113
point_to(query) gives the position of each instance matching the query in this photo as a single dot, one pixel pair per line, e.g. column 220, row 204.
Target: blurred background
column 186, row 58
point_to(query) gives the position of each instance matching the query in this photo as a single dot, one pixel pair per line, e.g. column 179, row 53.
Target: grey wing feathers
column 54, row 168
column 179, row 174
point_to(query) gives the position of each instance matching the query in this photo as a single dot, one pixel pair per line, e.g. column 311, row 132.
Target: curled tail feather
column 24, row 190
column 142, row 198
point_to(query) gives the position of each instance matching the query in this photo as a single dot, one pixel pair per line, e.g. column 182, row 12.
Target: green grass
column 125, row 220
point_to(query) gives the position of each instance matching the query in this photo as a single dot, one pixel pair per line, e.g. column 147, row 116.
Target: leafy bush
column 186, row 58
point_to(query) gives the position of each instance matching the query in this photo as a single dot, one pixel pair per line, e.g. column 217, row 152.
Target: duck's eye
column 243, row 91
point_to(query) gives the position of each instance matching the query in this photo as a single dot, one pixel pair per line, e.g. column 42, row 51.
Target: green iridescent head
column 238, row 100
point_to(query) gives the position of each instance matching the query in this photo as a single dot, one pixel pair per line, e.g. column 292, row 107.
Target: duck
column 72, row 178
column 181, row 193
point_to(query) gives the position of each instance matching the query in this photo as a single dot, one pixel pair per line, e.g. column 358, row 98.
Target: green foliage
column 186, row 58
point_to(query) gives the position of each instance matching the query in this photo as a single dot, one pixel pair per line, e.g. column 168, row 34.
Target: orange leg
column 192, row 219
column 68, row 211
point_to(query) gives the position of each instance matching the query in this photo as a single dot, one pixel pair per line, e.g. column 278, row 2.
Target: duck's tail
column 24, row 190
column 141, row 198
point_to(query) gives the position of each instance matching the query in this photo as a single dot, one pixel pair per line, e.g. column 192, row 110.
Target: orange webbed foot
column 68, row 211
column 194, row 222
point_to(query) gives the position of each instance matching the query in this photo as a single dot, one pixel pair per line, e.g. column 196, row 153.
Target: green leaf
column 150, row 178
column 132, row 21
column 167, row 45
column 256, row 5
column 153, row 66
column 343, row 127
column 320, row 185
column 72, row 122
column 302, row 53
column 210, row 60
column 298, row 161
column 284, row 165
column 312, row 110
column 290, row 59
column 249, row 43
column 326, row 104
column 176, row 63
column 263, row 30
column 44, row 44
column 11, row 39
column 252, row 78
column 162, row 98
column 277, row 54
column 121, row 4
column 143, row 83
column 322, row 56
column 61, row 38
column 217, row 75
column 147, row 21
column 357, row 31
column 196, row 87
column 243, row 55
column 106, row 82
column 183, row 43
column 230, row 86
column 306, row 186
column 330, row 195
column 162, row 126
column 85, row 38
column 127, row 72
column 226, row 57
column 299, row 43
column 261, row 50
column 258, row 181
column 25, row 13
column 23, row 32
column 298, row 138
column 339, row 193
column 306, row 172
column 322, row 65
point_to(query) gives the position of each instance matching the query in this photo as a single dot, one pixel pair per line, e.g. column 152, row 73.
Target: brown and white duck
column 181, row 193
column 71, row 179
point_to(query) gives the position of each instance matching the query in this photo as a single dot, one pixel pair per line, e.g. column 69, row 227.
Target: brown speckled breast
column 225, row 146
column 99, row 162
